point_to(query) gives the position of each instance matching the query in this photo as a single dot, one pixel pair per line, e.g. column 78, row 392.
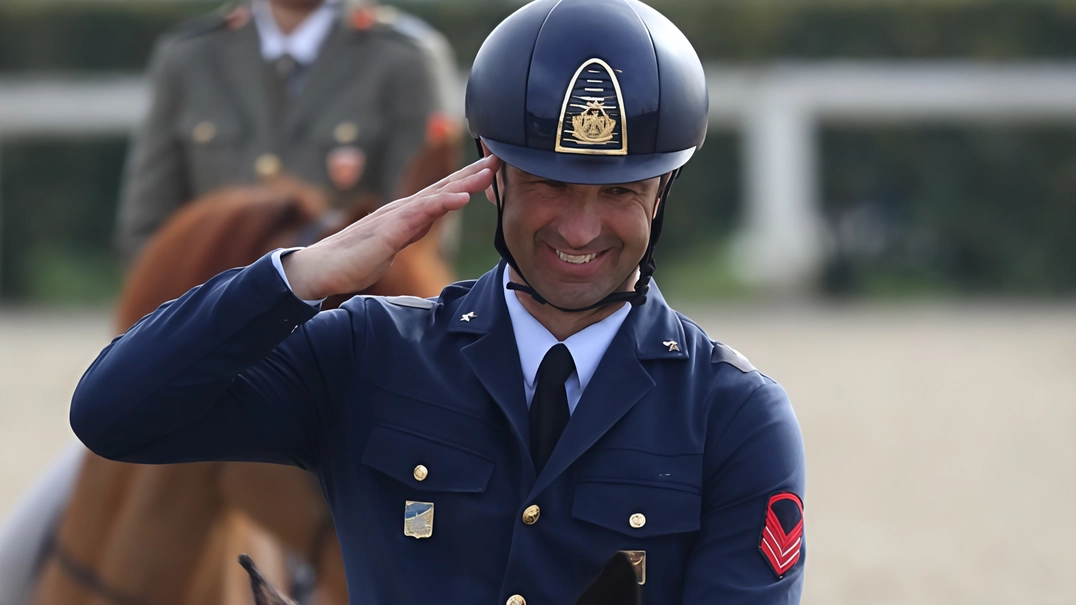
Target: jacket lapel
column 329, row 71
column 242, row 71
column 494, row 358
column 619, row 383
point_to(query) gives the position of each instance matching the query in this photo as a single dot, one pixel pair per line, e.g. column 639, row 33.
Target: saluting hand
column 353, row 259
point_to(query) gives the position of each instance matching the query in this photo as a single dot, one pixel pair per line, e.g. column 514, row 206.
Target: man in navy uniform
column 499, row 443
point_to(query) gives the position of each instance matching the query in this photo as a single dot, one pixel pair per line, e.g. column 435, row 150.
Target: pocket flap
column 613, row 506
column 447, row 467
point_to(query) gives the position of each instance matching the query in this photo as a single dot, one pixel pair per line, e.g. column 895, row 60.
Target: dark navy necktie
column 549, row 409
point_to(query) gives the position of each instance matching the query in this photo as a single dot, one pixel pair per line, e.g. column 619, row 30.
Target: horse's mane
column 226, row 229
column 233, row 227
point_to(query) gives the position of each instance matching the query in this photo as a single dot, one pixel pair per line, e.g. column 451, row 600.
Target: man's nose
column 579, row 224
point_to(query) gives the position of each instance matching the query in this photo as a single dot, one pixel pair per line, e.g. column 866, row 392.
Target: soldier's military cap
column 588, row 91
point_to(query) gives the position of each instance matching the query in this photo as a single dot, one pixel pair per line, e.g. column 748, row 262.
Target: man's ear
column 500, row 184
column 661, row 188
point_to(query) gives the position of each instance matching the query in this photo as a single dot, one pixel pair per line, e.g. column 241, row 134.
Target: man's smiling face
column 576, row 244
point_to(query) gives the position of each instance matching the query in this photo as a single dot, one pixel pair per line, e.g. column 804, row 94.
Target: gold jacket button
column 267, row 165
column 421, row 472
column 637, row 520
column 204, row 132
column 346, row 132
column 516, row 600
column 530, row 516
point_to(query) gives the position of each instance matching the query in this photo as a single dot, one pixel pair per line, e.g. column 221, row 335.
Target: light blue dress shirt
column 587, row 346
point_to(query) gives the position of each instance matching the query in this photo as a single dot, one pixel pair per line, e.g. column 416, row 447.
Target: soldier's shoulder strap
column 725, row 354
column 363, row 16
column 413, row 302
column 228, row 17
column 366, row 16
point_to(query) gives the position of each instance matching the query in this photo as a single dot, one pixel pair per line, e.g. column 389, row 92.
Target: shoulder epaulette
column 726, row 354
column 231, row 16
column 410, row 301
column 373, row 17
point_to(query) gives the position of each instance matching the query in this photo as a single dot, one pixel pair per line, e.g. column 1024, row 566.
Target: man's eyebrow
column 534, row 178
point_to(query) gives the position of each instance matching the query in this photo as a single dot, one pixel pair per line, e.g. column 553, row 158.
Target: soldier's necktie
column 549, row 409
column 282, row 83
column 288, row 71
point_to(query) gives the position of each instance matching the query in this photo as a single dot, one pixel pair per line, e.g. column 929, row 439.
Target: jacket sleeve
column 758, row 456
column 154, row 181
column 235, row 369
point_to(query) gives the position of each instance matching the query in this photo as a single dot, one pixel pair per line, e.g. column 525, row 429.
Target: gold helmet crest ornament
column 592, row 117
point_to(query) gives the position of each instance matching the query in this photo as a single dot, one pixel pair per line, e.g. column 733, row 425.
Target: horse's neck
column 140, row 530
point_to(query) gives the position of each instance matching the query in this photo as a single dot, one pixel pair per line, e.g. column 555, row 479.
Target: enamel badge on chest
column 592, row 117
column 418, row 519
column 345, row 165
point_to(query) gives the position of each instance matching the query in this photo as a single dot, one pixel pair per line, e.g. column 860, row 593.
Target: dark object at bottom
column 616, row 584
column 264, row 593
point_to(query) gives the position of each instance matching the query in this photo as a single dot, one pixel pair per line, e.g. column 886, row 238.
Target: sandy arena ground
column 941, row 440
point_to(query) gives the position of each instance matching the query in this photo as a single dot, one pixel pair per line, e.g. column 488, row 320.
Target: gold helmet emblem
column 593, row 126
column 592, row 117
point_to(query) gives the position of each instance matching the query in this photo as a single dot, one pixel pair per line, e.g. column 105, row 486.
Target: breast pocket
column 214, row 146
column 425, row 462
column 637, row 510
column 340, row 148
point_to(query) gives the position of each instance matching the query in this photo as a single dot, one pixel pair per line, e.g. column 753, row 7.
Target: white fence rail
column 777, row 108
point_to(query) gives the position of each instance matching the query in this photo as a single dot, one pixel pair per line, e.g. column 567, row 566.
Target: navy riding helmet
column 590, row 92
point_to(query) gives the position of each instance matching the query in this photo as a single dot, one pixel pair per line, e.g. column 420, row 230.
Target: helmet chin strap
column 646, row 265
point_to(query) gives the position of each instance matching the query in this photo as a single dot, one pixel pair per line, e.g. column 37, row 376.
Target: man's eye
column 620, row 191
column 554, row 184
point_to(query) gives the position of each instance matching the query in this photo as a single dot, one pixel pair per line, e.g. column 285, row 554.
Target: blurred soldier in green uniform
column 342, row 96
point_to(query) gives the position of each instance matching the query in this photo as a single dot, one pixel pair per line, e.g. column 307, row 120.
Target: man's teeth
column 578, row 260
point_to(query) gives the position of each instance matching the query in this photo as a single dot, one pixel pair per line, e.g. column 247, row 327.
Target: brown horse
column 160, row 535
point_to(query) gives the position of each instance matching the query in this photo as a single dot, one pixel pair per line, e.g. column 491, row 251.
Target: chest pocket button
column 400, row 453
column 649, row 510
column 530, row 516
column 204, row 131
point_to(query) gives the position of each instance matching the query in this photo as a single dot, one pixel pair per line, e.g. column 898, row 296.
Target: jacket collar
column 653, row 328
column 651, row 331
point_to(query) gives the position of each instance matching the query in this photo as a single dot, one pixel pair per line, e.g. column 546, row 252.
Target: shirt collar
column 304, row 42
column 533, row 340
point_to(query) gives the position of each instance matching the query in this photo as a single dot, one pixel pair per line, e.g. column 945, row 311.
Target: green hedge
column 59, row 205
column 938, row 208
column 118, row 36
column 932, row 208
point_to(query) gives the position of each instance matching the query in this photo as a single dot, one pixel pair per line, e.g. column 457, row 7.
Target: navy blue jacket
column 689, row 436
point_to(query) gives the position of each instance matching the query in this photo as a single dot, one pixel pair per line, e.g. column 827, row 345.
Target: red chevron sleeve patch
column 782, row 534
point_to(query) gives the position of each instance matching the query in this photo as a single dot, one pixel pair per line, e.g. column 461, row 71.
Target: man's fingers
column 417, row 217
column 474, row 183
column 488, row 162
column 392, row 227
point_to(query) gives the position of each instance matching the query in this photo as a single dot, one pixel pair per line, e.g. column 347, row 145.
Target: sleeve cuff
column 277, row 255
